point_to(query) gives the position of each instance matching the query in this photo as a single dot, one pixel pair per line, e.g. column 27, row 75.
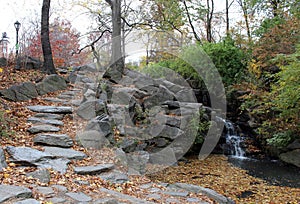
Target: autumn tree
column 48, row 65
column 64, row 44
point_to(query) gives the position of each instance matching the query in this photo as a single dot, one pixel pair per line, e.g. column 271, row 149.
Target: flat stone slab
column 9, row 192
column 92, row 170
column 49, row 116
column 51, row 109
column 62, row 140
column 26, row 154
column 36, row 120
column 28, row 201
column 42, row 174
column 43, row 128
column 81, row 197
column 60, row 164
column 64, row 153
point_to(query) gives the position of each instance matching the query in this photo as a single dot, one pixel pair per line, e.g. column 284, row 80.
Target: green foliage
column 281, row 139
column 199, row 126
column 230, row 60
column 268, row 24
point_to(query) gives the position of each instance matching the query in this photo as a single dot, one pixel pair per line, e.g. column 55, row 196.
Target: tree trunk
column 116, row 68
column 48, row 65
column 210, row 11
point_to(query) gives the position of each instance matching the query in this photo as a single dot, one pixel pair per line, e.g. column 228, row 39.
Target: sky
column 26, row 10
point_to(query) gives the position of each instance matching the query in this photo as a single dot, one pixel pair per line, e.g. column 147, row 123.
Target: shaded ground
column 218, row 174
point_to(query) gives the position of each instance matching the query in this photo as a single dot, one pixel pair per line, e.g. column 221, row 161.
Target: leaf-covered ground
column 217, row 173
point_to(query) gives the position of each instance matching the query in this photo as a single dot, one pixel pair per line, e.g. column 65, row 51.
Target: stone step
column 9, row 192
column 43, row 128
column 61, row 140
column 49, row 116
column 65, row 153
column 51, row 109
column 93, row 170
column 35, row 120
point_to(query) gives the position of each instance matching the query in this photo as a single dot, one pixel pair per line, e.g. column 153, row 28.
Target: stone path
column 58, row 152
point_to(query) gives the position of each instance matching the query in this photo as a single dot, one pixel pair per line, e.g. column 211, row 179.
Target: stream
column 273, row 171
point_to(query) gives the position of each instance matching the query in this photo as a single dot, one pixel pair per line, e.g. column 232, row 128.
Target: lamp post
column 17, row 25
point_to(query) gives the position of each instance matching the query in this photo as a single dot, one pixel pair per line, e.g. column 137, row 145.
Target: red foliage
column 64, row 43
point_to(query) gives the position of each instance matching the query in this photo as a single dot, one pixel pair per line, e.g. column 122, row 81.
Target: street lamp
column 17, row 25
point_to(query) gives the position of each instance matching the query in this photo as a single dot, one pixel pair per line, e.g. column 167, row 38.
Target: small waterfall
column 233, row 140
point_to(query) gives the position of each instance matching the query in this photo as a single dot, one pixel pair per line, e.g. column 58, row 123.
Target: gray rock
column 56, row 200
column 89, row 94
column 89, row 68
column 51, row 109
column 43, row 128
column 154, row 196
column 128, row 144
column 172, row 200
column 9, row 192
column 42, row 174
column 121, row 157
column 81, row 197
column 28, row 62
column 198, row 189
column 54, row 140
column 166, row 156
column 176, row 193
column 165, row 131
column 51, row 83
column 28, row 201
column 26, row 154
column 90, row 109
column 106, row 201
column 186, row 95
column 115, row 177
column 120, row 116
column 49, row 116
column 92, row 139
column 291, row 157
column 35, row 120
column 64, row 153
column 22, row 92
column 100, row 124
column 3, row 62
column 163, row 94
column 123, row 95
column 56, row 100
column 294, row 145
column 60, row 188
column 60, row 164
column 122, row 196
column 137, row 162
column 45, row 190
column 93, row 170
column 3, row 163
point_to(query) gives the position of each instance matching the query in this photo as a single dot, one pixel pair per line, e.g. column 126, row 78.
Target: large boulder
column 50, row 84
column 22, row 92
column 291, row 157
column 91, row 109
column 92, row 139
column 28, row 62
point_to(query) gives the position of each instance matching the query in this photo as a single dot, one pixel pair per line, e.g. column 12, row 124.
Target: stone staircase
column 58, row 150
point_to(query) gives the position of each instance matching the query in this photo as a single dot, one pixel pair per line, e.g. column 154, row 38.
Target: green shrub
column 281, row 139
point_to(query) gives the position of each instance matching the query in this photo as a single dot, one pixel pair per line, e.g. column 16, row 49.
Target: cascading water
column 233, row 140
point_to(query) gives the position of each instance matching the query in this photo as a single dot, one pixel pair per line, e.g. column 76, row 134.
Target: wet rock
column 291, row 157
column 93, row 170
column 54, row 140
column 294, row 145
column 9, row 192
column 43, row 128
column 51, row 109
